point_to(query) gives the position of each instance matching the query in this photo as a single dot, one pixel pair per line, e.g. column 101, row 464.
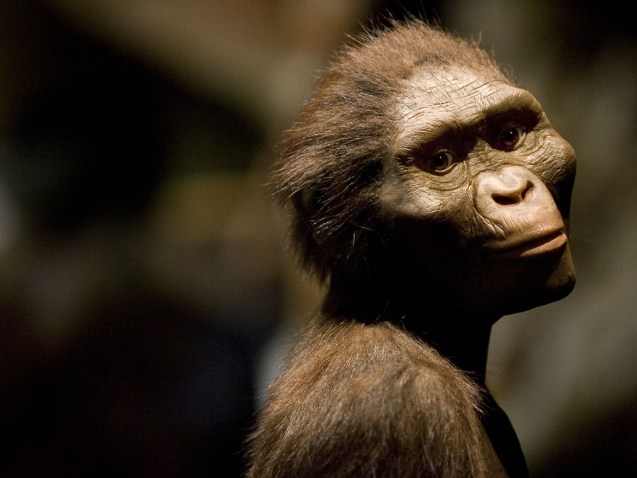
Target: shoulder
column 344, row 357
column 356, row 399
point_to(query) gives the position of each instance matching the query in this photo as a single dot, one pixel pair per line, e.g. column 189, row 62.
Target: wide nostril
column 512, row 193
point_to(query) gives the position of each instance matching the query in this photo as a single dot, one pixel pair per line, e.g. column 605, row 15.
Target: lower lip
column 534, row 248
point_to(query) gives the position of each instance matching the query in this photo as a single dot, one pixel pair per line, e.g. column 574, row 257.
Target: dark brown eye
column 510, row 138
column 440, row 162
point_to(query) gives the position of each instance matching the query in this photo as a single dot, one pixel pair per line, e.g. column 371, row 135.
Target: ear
column 308, row 203
column 306, row 209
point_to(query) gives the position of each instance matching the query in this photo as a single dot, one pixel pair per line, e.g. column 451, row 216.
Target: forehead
column 450, row 98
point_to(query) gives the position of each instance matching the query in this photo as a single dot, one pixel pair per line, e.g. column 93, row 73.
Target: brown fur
column 370, row 401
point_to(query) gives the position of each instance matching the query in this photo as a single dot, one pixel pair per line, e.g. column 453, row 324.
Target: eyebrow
column 514, row 100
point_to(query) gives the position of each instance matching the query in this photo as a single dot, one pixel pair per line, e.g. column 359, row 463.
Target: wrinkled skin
column 477, row 195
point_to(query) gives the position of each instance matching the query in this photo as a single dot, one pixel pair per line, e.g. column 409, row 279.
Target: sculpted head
column 418, row 172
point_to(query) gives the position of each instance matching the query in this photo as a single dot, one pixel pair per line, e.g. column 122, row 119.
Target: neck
column 459, row 334
column 462, row 340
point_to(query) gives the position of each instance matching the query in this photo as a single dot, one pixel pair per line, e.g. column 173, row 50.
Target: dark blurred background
column 145, row 295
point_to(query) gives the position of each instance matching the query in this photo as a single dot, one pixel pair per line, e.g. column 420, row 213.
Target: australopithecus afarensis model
column 432, row 197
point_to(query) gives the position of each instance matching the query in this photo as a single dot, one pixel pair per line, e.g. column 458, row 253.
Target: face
column 477, row 194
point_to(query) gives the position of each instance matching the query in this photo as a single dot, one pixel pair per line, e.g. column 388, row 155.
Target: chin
column 562, row 281
column 539, row 284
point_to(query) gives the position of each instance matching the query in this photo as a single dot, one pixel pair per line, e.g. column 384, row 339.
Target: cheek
column 411, row 197
column 430, row 229
column 556, row 165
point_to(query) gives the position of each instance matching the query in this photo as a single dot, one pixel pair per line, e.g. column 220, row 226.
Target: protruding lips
column 529, row 246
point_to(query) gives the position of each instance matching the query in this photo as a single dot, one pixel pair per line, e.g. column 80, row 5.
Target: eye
column 509, row 138
column 440, row 162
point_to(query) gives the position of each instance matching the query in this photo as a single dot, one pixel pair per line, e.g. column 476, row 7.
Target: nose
column 509, row 187
column 496, row 192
